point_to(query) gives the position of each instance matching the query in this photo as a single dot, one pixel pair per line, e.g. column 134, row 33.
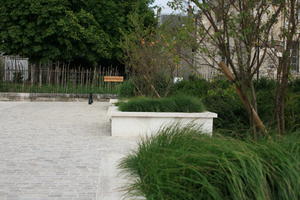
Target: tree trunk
column 250, row 107
column 282, row 84
column 283, row 71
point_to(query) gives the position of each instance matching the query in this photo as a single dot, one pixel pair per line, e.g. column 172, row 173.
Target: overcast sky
column 163, row 4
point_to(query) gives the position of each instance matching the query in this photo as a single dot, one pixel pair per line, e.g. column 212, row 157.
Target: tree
column 229, row 33
column 114, row 18
column 66, row 30
column 149, row 57
column 51, row 30
column 290, row 39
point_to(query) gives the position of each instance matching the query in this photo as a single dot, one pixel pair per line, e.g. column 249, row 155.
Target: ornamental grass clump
column 182, row 164
column 178, row 103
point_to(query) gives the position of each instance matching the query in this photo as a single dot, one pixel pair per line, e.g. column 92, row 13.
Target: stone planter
column 133, row 124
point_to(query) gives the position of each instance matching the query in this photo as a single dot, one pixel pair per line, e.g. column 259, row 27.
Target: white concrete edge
column 113, row 101
column 114, row 112
column 109, row 112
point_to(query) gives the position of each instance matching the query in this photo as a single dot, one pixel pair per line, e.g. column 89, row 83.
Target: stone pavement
column 59, row 151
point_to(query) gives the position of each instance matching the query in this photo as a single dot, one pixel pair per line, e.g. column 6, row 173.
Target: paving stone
column 59, row 150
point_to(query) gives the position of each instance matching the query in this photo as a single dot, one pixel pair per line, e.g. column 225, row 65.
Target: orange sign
column 113, row 78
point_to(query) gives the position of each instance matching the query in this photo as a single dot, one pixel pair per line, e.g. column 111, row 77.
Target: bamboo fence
column 59, row 76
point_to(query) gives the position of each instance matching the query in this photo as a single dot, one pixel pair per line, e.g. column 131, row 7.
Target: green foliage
column 231, row 113
column 265, row 84
column 66, row 30
column 292, row 114
column 126, row 89
column 266, row 105
column 178, row 103
column 197, row 88
column 156, row 83
column 180, row 163
column 265, row 89
column 152, row 55
column 295, row 86
column 113, row 16
column 67, row 89
column 51, row 30
column 220, row 96
column 220, row 83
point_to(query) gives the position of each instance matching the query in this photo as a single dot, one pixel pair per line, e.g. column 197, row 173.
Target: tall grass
column 179, row 103
column 182, row 164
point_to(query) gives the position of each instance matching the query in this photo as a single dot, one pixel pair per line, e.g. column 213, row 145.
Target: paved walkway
column 58, row 151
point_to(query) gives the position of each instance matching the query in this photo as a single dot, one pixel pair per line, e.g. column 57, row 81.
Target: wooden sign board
column 113, row 78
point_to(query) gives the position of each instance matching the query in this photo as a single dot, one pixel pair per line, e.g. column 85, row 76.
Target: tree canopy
column 67, row 30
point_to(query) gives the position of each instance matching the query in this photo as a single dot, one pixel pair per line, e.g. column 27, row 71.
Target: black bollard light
column 91, row 99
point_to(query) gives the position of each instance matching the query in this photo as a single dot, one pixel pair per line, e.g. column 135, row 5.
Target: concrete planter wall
column 132, row 124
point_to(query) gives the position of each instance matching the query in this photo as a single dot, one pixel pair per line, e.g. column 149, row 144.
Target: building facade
column 207, row 63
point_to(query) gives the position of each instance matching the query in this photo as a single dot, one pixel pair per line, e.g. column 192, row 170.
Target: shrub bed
column 220, row 96
column 126, row 89
column 197, row 88
column 182, row 164
column 170, row 104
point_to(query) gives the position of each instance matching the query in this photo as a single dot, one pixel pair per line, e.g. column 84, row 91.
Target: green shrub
column 265, row 84
column 266, row 106
column 162, row 83
column 197, row 88
column 182, row 164
column 159, row 83
column 218, row 96
column 220, row 84
column 126, row 89
column 230, row 110
column 266, row 103
column 265, row 94
column 233, row 116
column 170, row 104
column 292, row 112
column 63, row 89
column 295, row 85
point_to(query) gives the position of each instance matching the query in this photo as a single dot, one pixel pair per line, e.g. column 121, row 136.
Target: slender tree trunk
column 254, row 103
column 284, row 64
column 280, row 96
column 152, row 86
column 252, row 111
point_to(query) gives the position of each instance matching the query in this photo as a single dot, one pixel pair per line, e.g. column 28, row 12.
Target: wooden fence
column 59, row 76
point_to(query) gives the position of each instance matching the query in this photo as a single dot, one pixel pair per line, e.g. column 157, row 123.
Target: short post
column 91, row 99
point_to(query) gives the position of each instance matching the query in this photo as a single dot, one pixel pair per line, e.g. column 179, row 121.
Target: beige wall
column 268, row 68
